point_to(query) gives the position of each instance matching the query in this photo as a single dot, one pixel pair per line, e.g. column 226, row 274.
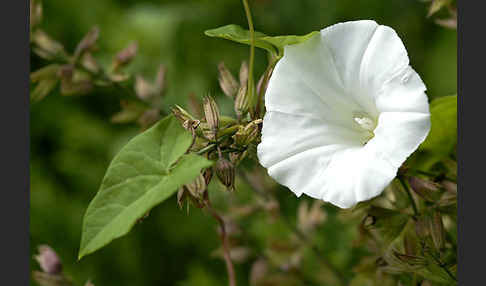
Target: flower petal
column 398, row 134
column 405, row 92
column 355, row 175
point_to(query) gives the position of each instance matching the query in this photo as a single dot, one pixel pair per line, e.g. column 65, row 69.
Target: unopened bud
column 47, row 72
column 87, row 43
column 242, row 102
column 243, row 73
column 182, row 114
column 421, row 227
column 211, row 113
column 48, row 48
column 436, row 229
column 89, row 62
column 428, row 190
column 226, row 173
column 208, row 175
column 449, row 186
column 35, row 13
column 181, row 196
column 261, row 87
column 160, row 78
column 143, row 88
column 248, row 134
column 227, row 82
column 125, row 56
column 48, row 260
column 43, row 88
column 197, row 187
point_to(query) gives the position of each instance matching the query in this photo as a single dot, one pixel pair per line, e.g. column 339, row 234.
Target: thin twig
column 409, row 194
column 224, row 239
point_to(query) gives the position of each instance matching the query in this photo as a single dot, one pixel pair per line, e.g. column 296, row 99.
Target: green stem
column 206, row 149
column 410, row 197
column 252, row 49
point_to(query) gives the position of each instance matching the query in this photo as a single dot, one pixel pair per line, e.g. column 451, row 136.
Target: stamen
column 365, row 122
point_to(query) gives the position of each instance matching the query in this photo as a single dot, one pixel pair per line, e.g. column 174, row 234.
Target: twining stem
column 252, row 49
column 409, row 194
column 224, row 239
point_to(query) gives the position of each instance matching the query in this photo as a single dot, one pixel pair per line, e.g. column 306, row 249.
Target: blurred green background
column 73, row 141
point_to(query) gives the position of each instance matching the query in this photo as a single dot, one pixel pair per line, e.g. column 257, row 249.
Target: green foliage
column 148, row 170
column 274, row 45
column 442, row 138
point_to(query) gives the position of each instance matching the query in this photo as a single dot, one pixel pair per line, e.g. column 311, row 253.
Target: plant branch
column 224, row 239
column 252, row 49
column 409, row 194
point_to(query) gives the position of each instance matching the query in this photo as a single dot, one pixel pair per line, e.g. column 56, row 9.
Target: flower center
column 367, row 124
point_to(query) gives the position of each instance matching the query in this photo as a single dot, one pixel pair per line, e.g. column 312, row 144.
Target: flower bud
column 227, row 82
column 87, row 43
column 436, row 229
column 47, row 72
column 35, row 13
column 421, row 227
column 89, row 62
column 248, row 134
column 43, row 88
column 450, row 187
column 208, row 175
column 160, row 78
column 48, row 260
column 181, row 196
column 211, row 113
column 48, row 47
column 226, row 173
column 143, row 88
column 197, row 187
column 125, row 56
column 242, row 102
column 243, row 73
column 428, row 190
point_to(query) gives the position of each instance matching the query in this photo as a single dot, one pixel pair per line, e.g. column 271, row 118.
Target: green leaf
column 274, row 45
column 147, row 171
column 443, row 134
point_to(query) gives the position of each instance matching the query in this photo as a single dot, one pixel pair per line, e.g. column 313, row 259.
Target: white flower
column 344, row 111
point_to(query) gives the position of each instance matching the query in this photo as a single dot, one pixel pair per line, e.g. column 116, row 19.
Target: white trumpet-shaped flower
column 344, row 111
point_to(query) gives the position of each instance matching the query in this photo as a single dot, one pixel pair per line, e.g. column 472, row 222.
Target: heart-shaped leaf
column 274, row 45
column 147, row 171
